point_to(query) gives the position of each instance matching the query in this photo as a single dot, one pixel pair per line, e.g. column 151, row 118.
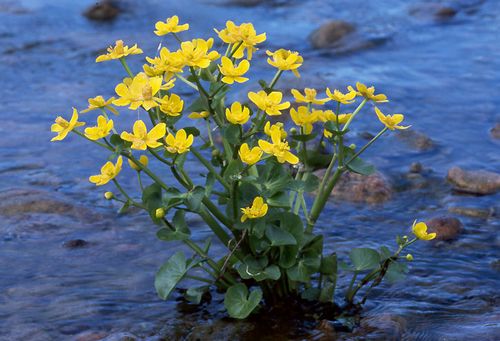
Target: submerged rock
column 381, row 327
column 415, row 139
column 473, row 212
column 433, row 10
column 476, row 182
column 75, row 243
column 446, row 228
column 416, row 168
column 121, row 337
column 495, row 131
column 102, row 11
column 330, row 33
column 371, row 189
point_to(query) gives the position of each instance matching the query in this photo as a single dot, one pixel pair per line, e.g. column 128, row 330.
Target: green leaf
column 364, row 259
column 298, row 272
column 200, row 104
column 396, row 272
column 194, row 295
column 231, row 134
column 233, row 169
column 310, row 294
column 181, row 229
column 171, row 273
column 304, row 137
column 194, row 198
column 358, row 165
column 288, row 256
column 279, row 237
column 329, row 265
column 271, row 272
column 385, row 253
column 238, row 303
column 326, row 293
column 151, row 198
column 192, row 131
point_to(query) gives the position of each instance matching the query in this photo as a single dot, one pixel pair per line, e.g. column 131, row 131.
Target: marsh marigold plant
column 245, row 167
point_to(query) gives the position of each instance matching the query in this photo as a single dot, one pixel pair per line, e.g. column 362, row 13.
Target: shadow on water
column 71, row 268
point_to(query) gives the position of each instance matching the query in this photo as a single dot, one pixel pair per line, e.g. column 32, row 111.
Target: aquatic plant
column 259, row 194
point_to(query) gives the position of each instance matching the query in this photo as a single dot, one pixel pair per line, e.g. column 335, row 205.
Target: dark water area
column 443, row 73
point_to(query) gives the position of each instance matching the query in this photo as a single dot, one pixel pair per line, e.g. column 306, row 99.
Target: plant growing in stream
column 259, row 194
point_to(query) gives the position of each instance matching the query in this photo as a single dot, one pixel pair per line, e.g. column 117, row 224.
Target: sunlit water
column 442, row 74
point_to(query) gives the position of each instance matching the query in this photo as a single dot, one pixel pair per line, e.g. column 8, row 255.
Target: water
column 441, row 74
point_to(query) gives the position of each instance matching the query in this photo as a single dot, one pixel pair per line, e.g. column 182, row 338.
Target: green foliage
column 171, row 273
column 239, row 303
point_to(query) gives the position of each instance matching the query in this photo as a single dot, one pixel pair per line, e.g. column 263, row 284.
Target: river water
column 442, row 73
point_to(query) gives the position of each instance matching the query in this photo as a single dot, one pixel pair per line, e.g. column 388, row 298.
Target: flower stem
column 125, row 66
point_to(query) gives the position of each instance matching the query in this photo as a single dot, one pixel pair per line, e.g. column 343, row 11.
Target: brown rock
column 495, row 131
column 446, row 228
column 433, row 10
column 90, row 336
column 446, row 12
column 415, row 139
column 477, row 182
column 75, row 243
column 382, row 327
column 371, row 189
column 416, row 167
column 102, row 11
column 330, row 33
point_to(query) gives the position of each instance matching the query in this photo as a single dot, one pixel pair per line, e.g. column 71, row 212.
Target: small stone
column 90, row 336
column 103, row 11
column 124, row 336
column 381, row 327
column 75, row 244
column 495, row 131
column 446, row 228
column 330, row 33
column 473, row 212
column 446, row 12
column 371, row 189
column 476, row 182
column 416, row 167
column 415, row 139
column 366, row 135
column 327, row 329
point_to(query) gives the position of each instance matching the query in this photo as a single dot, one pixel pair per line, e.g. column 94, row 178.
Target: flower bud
column 143, row 160
column 215, row 153
column 160, row 213
column 109, row 195
column 409, row 257
column 293, row 131
column 352, row 146
column 405, row 239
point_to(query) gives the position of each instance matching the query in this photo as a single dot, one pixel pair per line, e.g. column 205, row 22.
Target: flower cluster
column 258, row 168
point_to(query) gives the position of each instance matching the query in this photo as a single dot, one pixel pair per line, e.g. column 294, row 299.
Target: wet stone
column 102, row 11
column 475, row 181
column 75, row 244
column 371, row 189
column 382, row 327
column 91, row 336
column 415, row 140
column 416, row 167
column 446, row 228
column 495, row 131
column 330, row 34
column 434, row 11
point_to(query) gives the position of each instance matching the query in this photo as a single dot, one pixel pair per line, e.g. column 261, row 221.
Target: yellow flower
column 63, row 127
column 99, row 102
column 195, row 52
column 303, row 118
column 280, row 149
column 108, row 172
column 391, row 121
column 171, row 105
column 270, row 103
column 179, row 143
column 257, row 210
column 171, row 25
column 167, row 63
column 249, row 156
column 143, row 160
column 329, row 115
column 268, row 129
column 285, row 60
column 233, row 73
column 140, row 137
column 238, row 114
column 338, row 96
column 243, row 34
column 420, row 231
column 100, row 131
column 308, row 97
column 138, row 91
column 198, row 115
column 368, row 93
column 118, row 51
